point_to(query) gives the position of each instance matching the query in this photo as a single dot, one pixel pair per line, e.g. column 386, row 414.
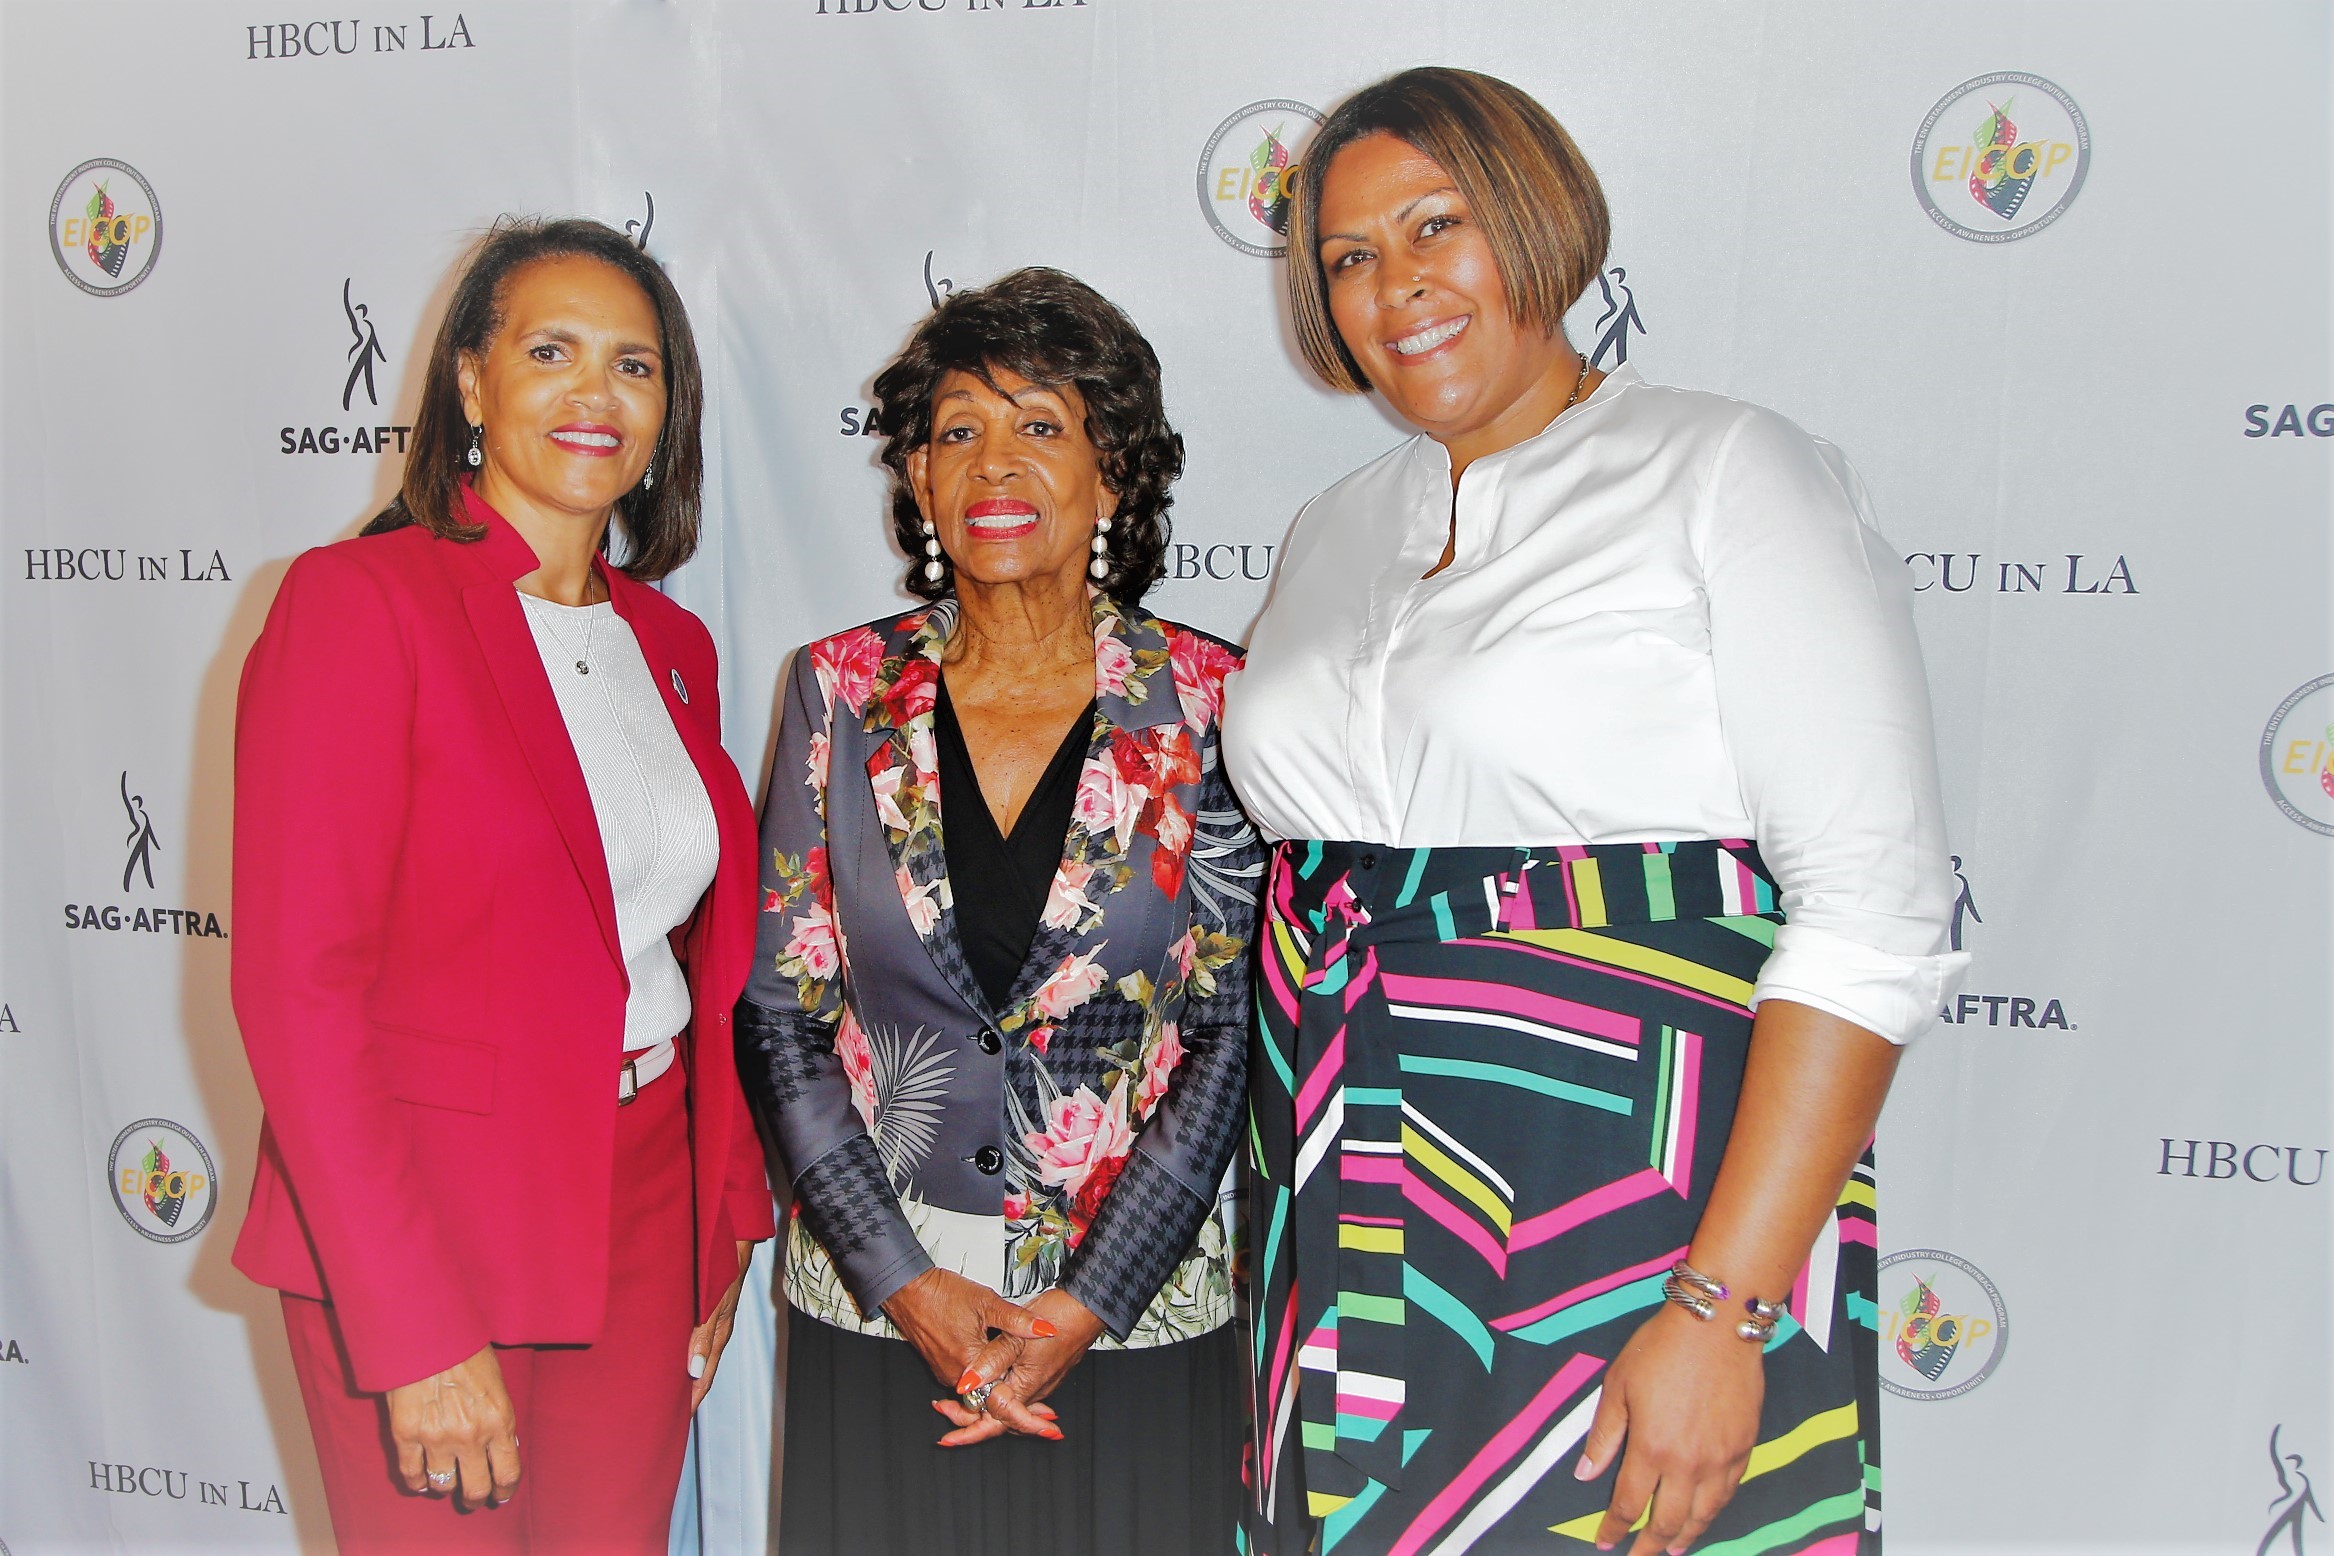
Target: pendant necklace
column 551, row 625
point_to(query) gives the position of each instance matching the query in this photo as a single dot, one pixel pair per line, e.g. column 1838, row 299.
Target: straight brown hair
column 659, row 526
column 1527, row 185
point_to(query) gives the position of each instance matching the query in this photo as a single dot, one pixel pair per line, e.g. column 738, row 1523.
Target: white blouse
column 1668, row 617
column 656, row 823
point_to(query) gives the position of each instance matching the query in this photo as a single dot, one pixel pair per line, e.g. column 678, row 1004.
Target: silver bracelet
column 1699, row 1295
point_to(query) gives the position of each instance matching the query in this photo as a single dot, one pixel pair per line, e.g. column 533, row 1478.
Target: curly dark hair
column 1054, row 330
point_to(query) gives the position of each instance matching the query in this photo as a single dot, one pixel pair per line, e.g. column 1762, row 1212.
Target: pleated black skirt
column 1149, row 1465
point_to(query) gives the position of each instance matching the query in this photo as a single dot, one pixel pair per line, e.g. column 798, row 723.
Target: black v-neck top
column 1000, row 883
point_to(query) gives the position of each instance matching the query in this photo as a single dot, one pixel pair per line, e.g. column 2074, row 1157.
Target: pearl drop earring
column 1099, row 568
column 934, row 571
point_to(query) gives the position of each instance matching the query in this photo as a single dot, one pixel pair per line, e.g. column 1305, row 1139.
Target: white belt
column 642, row 1068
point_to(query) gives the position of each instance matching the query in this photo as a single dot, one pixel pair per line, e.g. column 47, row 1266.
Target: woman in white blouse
column 1589, row 723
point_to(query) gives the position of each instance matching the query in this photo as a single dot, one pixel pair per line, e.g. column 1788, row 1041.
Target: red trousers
column 602, row 1427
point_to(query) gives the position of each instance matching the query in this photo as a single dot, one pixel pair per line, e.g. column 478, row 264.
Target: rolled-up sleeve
column 786, row 1025
column 1825, row 710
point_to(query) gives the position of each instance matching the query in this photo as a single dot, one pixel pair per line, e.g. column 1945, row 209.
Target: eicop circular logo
column 162, row 1180
column 1942, row 1325
column 2297, row 756
column 2001, row 157
column 105, row 227
column 1248, row 174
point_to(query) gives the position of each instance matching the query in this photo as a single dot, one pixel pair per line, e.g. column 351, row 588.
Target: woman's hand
column 1685, row 1393
column 1025, row 1372
column 948, row 1319
column 455, row 1431
column 707, row 1339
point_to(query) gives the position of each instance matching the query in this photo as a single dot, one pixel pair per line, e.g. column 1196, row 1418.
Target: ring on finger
column 441, row 1478
column 976, row 1400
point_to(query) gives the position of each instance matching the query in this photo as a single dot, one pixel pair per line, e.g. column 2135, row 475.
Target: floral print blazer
column 1073, row 1136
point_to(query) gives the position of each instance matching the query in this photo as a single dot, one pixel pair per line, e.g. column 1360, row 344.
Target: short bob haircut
column 1525, row 182
column 659, row 525
column 1056, row 331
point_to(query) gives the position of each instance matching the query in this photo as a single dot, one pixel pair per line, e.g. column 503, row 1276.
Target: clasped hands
column 971, row 1337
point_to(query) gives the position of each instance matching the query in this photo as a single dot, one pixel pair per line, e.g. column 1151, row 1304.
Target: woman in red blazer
column 494, row 899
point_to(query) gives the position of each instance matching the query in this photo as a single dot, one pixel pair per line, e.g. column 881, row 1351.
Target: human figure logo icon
column 938, row 288
column 1614, row 324
column 2296, row 1498
column 1964, row 905
column 141, row 839
column 363, row 354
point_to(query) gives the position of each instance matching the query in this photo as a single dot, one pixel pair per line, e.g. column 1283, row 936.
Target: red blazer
column 425, row 958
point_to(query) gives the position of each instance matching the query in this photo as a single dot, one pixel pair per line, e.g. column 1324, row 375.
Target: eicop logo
column 105, row 227
column 1248, row 174
column 1942, row 1325
column 2297, row 756
column 2001, row 157
column 162, row 1179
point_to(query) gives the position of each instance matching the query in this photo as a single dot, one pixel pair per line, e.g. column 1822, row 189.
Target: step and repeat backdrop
column 2055, row 276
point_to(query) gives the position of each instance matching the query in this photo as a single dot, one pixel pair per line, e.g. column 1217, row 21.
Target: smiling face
column 1010, row 481
column 1417, row 296
column 571, row 390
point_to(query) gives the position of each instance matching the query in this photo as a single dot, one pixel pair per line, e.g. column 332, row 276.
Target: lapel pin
column 679, row 690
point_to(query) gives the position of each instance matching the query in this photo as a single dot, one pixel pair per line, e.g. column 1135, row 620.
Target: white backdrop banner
column 2055, row 277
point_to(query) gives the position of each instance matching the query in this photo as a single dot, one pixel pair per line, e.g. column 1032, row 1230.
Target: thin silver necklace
column 551, row 625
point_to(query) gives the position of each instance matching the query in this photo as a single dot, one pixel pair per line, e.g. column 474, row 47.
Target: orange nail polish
column 970, row 1381
column 1042, row 1329
column 1052, row 1434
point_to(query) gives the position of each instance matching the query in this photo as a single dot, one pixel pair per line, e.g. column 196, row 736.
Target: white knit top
column 656, row 823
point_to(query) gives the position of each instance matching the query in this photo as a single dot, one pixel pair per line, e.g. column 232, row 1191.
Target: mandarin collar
column 1438, row 458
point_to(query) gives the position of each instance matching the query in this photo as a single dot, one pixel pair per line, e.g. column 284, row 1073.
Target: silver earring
column 648, row 475
column 934, row 569
column 476, row 456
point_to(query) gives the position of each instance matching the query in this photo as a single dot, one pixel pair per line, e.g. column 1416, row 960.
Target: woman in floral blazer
column 967, row 1153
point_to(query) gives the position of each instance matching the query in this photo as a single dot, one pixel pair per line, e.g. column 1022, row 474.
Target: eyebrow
column 1400, row 216
column 1016, row 399
column 567, row 337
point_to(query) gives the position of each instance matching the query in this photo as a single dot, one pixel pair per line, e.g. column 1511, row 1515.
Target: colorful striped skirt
column 1491, row 1088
